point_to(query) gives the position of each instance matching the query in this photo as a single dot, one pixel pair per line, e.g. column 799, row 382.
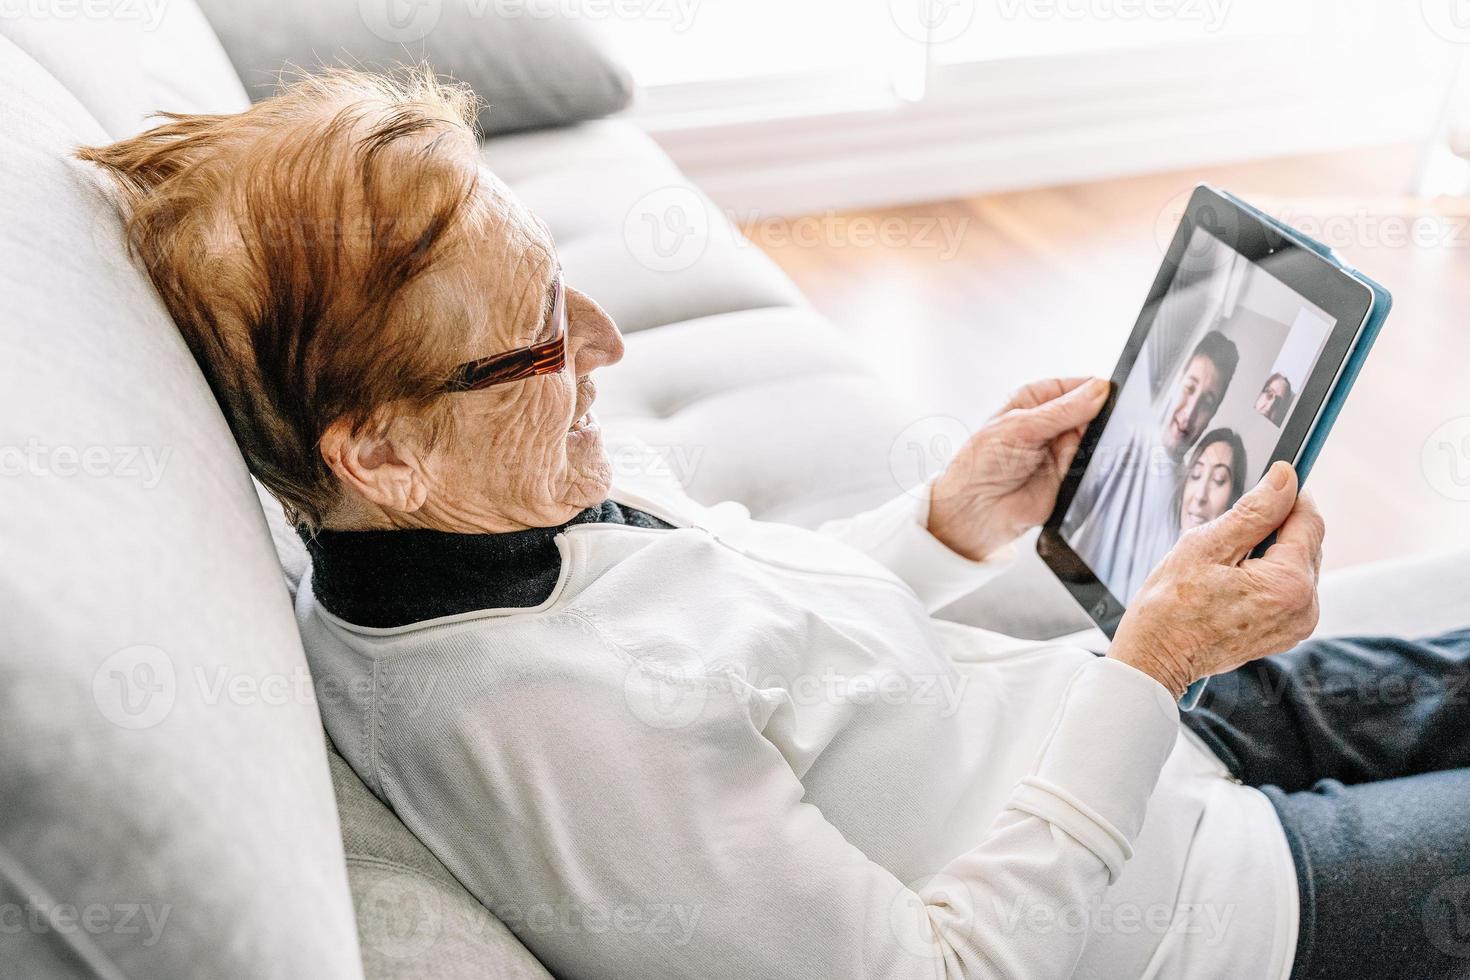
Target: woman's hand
column 1204, row 610
column 1006, row 477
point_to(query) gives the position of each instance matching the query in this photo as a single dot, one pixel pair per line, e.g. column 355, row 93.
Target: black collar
column 393, row 578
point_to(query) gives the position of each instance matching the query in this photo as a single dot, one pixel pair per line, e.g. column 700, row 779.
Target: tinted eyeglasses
column 547, row 357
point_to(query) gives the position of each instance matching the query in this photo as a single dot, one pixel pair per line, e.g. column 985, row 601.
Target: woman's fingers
column 1299, row 541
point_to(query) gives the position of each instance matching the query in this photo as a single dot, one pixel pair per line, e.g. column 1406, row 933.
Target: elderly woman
column 665, row 740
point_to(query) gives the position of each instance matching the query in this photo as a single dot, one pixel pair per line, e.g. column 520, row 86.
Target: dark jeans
column 1363, row 746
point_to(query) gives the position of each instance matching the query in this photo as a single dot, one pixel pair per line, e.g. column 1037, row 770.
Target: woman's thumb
column 1230, row 537
column 1070, row 411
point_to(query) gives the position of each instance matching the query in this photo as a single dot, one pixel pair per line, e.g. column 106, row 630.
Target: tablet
column 1242, row 355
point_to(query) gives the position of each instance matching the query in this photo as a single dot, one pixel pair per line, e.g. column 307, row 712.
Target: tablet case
column 1382, row 303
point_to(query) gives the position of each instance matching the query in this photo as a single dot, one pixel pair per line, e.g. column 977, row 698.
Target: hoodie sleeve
column 897, row 535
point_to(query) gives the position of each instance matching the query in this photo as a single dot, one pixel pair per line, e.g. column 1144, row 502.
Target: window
column 859, row 102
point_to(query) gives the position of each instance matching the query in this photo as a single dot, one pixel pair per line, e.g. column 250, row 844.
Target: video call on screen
column 1197, row 418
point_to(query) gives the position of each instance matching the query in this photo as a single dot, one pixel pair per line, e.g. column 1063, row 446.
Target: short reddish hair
column 295, row 245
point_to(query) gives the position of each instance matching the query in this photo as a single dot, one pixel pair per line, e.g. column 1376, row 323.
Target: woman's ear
column 381, row 464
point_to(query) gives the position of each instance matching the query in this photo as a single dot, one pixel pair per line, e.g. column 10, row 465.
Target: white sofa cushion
column 139, row 59
column 414, row 919
column 164, row 760
column 631, row 230
column 767, row 407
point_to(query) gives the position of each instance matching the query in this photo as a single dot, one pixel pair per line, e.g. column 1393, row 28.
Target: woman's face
column 1207, row 486
column 529, row 452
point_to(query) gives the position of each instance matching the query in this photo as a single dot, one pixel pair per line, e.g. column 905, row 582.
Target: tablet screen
column 1197, row 419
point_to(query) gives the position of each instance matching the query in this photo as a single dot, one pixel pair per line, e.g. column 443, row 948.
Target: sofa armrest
column 1415, row 596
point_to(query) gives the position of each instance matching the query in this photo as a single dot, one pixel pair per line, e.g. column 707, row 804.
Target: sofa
column 169, row 804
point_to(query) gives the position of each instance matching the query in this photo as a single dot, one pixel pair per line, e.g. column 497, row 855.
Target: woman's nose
column 595, row 338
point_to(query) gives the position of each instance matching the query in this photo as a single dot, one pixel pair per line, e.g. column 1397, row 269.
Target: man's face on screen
column 1200, row 391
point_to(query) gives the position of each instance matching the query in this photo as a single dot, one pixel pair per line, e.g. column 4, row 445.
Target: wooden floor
column 957, row 302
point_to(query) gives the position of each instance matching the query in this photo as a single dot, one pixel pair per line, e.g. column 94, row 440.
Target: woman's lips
column 586, row 395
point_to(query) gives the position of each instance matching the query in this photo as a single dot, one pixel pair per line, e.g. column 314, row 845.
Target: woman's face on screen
column 1207, row 486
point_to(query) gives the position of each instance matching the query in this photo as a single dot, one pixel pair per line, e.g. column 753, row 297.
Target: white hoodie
column 745, row 750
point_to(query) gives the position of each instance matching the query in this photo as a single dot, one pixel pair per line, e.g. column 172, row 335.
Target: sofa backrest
column 166, row 808
column 531, row 69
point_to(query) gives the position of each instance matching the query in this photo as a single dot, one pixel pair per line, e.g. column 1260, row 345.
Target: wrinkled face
column 526, row 452
column 1207, row 486
column 1272, row 395
column 1199, row 396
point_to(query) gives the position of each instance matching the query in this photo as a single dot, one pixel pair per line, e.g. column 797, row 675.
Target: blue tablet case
column 1382, row 303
